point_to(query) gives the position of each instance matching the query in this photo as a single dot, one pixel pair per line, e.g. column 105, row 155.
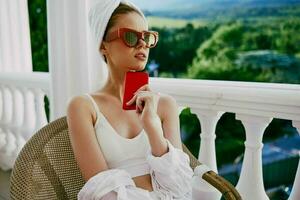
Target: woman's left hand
column 146, row 105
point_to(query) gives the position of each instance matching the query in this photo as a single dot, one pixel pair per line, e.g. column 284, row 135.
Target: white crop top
column 121, row 152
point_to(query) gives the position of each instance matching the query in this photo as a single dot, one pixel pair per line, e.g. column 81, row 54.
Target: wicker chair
column 46, row 168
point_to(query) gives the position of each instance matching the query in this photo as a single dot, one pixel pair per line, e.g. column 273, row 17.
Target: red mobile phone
column 133, row 81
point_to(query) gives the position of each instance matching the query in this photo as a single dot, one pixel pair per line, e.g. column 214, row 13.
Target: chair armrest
column 226, row 188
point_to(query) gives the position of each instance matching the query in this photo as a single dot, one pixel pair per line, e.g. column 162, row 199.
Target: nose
column 141, row 43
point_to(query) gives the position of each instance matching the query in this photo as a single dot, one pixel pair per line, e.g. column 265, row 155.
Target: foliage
column 38, row 33
column 176, row 47
column 217, row 57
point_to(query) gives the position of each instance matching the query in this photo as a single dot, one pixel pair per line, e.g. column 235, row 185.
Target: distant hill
column 213, row 8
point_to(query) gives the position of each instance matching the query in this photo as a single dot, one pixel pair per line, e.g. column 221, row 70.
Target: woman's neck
column 114, row 84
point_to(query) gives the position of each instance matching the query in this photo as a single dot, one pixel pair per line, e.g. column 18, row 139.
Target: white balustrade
column 22, row 111
column 41, row 119
column 2, row 136
column 250, row 184
column 28, row 115
column 207, row 152
column 255, row 104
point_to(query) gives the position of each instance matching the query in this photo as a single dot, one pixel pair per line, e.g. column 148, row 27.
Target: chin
column 138, row 67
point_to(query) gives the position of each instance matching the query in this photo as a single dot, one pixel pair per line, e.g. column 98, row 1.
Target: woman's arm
column 159, row 117
column 164, row 126
column 168, row 112
column 171, row 173
column 83, row 139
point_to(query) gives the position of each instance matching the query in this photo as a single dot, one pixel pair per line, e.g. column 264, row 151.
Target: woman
column 129, row 154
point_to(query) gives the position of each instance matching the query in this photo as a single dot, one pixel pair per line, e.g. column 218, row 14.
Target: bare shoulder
column 78, row 101
column 79, row 106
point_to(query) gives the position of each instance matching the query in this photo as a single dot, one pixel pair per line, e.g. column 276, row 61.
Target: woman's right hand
column 146, row 106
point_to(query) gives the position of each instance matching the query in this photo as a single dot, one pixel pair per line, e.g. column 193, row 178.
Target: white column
column 207, row 152
column 73, row 63
column 250, row 184
column 295, row 194
column 15, row 54
column 5, row 54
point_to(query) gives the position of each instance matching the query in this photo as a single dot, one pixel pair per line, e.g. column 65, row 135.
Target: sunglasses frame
column 120, row 32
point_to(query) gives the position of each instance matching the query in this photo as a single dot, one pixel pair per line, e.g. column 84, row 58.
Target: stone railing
column 22, row 111
column 255, row 105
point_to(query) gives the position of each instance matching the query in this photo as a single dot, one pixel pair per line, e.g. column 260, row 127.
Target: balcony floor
column 4, row 185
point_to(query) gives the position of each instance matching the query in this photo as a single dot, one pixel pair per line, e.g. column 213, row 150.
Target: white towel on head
column 100, row 14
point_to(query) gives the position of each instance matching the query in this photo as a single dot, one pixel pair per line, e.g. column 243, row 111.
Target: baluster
column 16, row 126
column 28, row 114
column 1, row 105
column 40, row 114
column 2, row 134
column 10, row 142
column 6, row 112
column 207, row 152
column 250, row 184
column 295, row 194
column 16, row 119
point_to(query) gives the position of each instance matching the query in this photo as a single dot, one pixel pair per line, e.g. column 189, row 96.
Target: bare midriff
column 143, row 182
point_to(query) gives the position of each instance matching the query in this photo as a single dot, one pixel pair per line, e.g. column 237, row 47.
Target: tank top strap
column 98, row 113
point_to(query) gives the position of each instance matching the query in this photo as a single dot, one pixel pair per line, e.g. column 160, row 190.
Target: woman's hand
column 146, row 107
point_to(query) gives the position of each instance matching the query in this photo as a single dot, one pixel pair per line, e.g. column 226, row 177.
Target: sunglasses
column 131, row 37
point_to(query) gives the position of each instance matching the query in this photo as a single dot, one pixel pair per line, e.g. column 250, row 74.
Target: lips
column 140, row 56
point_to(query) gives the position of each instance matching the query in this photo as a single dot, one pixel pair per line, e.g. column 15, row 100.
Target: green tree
column 216, row 58
column 38, row 34
column 177, row 47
